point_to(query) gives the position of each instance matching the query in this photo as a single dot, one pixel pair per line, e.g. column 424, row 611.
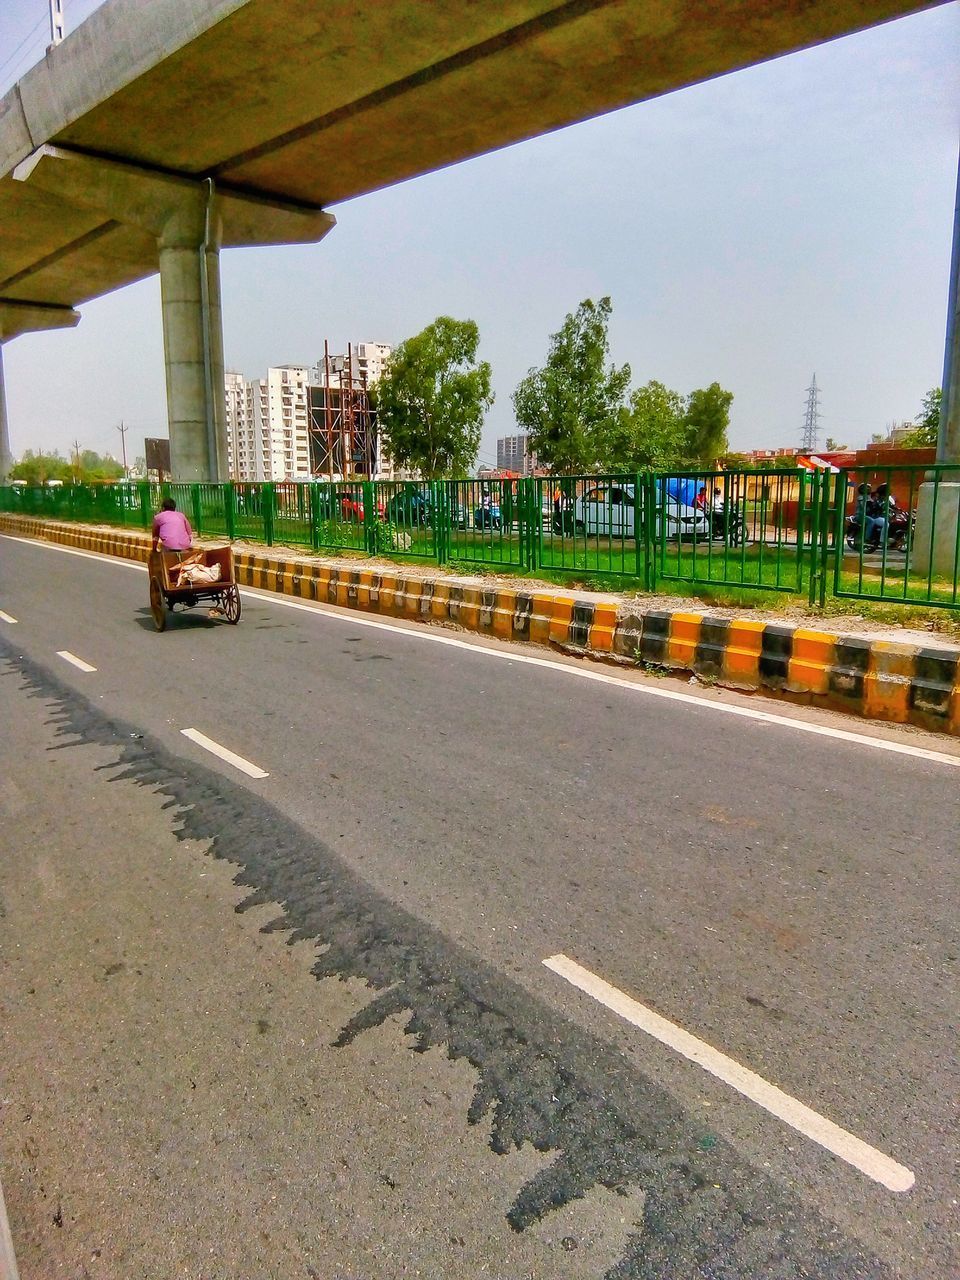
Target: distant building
column 514, row 454
column 267, row 424
column 281, row 426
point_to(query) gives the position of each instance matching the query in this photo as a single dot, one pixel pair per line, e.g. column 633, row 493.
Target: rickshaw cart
column 165, row 591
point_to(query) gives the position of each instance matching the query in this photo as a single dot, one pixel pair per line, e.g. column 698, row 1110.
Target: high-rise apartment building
column 269, row 419
column 267, row 435
column 514, row 454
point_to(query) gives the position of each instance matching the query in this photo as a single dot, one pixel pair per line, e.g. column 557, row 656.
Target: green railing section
column 897, row 530
column 857, row 534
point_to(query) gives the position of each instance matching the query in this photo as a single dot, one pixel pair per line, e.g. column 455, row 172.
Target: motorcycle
column 900, row 526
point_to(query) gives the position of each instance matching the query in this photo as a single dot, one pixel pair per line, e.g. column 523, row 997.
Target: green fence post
column 268, row 508
column 197, row 509
column 230, row 510
column 650, row 530
column 146, row 517
column 436, row 521
column 535, row 521
column 369, row 518
column 639, row 540
column 314, row 516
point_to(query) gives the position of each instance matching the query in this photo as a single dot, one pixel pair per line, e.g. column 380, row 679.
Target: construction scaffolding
column 342, row 421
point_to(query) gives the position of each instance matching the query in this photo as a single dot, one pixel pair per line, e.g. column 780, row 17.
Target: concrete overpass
column 155, row 134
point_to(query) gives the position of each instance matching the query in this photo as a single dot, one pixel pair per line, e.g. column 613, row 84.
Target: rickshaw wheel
column 158, row 605
column 230, row 602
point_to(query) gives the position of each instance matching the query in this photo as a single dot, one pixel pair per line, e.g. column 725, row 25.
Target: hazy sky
column 789, row 219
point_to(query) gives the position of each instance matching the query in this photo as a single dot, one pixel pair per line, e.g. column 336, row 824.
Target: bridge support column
column 24, row 317
column 6, row 458
column 189, row 251
column 189, row 220
column 936, row 541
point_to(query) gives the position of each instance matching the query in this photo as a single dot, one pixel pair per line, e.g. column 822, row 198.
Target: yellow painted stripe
column 561, row 617
column 741, row 659
column 811, row 660
column 604, row 625
column 684, row 638
column 886, row 685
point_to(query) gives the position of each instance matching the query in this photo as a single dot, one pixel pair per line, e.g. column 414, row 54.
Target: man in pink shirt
column 172, row 528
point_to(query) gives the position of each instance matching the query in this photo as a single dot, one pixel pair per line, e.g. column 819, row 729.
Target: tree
column 38, row 468
column 832, row 446
column 651, row 432
column 432, row 398
column 572, row 407
column 707, row 420
column 927, row 422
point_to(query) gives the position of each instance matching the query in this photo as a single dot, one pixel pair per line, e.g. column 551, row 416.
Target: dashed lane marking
column 231, row 757
column 423, row 633
column 74, row 661
column 881, row 1168
column 6, row 617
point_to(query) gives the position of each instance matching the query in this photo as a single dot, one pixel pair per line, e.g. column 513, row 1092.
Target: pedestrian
column 171, row 528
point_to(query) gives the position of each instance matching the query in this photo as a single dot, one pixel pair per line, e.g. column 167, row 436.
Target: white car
column 607, row 510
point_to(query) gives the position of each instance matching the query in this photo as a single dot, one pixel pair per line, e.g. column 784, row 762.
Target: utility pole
column 811, row 417
column 76, row 462
column 123, row 445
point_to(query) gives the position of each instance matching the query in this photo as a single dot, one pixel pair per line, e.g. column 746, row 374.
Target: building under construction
column 342, row 421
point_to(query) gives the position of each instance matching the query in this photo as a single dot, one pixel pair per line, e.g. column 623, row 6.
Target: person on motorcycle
column 866, row 520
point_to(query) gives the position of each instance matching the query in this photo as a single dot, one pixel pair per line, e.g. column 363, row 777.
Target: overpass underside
column 156, row 134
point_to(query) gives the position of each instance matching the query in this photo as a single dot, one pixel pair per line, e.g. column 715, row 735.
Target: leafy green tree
column 38, row 468
column 650, row 432
column 927, row 422
column 572, row 407
column 707, row 421
column 95, row 467
column 432, row 398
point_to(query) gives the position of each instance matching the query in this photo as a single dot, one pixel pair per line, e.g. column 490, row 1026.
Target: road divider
column 876, row 679
column 875, row 1164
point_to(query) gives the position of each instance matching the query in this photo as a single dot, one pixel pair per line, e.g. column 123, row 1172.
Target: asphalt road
column 437, row 820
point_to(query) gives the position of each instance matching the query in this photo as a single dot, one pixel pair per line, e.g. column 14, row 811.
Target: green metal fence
column 859, row 534
column 897, row 534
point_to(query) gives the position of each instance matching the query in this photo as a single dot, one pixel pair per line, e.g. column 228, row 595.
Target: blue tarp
column 683, row 490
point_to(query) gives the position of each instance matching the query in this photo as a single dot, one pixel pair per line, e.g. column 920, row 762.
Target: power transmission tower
column 811, row 417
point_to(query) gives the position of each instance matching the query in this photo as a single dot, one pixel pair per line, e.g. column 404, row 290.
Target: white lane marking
column 881, row 1168
column 72, row 658
column 74, row 551
column 238, row 762
column 580, row 673
column 5, row 617
column 422, row 632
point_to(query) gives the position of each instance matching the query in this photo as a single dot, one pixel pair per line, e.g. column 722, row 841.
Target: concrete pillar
column 193, row 354
column 6, row 458
column 937, row 538
column 190, row 221
column 18, row 317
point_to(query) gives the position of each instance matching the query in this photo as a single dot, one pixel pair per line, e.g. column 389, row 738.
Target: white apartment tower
column 268, row 419
column 267, row 424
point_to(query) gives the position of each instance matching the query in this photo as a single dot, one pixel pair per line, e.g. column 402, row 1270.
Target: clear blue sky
column 791, row 218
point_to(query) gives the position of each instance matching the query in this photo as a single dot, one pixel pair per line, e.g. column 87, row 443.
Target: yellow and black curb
column 878, row 679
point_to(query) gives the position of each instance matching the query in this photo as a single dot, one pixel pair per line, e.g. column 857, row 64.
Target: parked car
column 411, row 508
column 607, row 510
column 346, row 504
